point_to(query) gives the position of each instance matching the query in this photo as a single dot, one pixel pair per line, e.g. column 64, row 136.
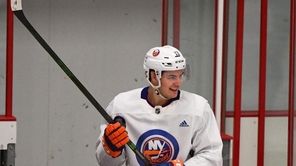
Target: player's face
column 171, row 82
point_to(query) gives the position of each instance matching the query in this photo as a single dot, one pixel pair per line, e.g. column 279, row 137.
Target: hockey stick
column 17, row 10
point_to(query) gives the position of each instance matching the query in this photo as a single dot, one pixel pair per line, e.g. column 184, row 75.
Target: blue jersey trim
column 144, row 95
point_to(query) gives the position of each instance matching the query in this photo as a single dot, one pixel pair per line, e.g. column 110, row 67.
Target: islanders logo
column 158, row 146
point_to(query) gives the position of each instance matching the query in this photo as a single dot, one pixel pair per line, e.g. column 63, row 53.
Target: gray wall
column 277, row 54
column 2, row 55
column 197, row 43
column 103, row 43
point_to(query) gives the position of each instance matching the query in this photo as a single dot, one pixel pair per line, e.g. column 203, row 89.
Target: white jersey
column 184, row 129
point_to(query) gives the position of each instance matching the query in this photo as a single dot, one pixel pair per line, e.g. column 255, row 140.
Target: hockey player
column 169, row 126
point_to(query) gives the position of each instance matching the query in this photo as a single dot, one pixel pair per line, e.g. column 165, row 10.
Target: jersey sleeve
column 102, row 157
column 206, row 141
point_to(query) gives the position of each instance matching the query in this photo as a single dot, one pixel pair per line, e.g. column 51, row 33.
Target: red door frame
column 9, row 67
column 291, row 83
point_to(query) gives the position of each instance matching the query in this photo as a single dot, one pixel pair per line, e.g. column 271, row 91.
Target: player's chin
column 174, row 93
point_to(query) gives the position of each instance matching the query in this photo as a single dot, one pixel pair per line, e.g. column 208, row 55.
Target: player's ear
column 153, row 77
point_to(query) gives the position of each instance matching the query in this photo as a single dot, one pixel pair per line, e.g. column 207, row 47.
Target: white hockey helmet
column 165, row 58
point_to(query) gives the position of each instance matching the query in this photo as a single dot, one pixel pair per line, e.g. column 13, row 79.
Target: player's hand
column 114, row 139
column 173, row 163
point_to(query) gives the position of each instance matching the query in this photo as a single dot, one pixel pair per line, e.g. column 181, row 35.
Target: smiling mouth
column 174, row 90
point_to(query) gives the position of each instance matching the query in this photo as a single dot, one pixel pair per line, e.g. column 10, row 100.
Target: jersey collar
column 144, row 95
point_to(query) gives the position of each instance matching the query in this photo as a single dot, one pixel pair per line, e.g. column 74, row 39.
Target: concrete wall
column 2, row 56
column 103, row 43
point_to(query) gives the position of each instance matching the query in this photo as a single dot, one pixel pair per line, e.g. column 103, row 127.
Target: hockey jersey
column 184, row 129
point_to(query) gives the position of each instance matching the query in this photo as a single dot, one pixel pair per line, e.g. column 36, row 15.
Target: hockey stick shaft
column 20, row 15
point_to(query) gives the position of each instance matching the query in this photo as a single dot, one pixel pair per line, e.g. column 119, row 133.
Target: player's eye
column 174, row 77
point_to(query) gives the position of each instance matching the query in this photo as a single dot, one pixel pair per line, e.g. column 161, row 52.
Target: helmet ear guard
column 148, row 77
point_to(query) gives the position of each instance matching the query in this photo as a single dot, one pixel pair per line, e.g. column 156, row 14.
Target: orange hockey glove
column 114, row 139
column 177, row 163
column 173, row 163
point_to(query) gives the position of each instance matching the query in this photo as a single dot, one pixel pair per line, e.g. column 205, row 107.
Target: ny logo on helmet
column 156, row 52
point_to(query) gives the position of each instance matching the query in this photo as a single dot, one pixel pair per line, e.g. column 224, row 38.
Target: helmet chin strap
column 157, row 92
